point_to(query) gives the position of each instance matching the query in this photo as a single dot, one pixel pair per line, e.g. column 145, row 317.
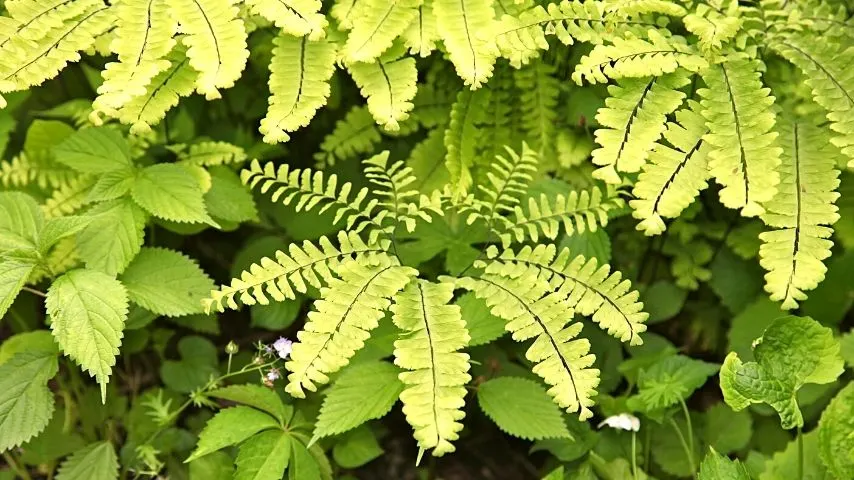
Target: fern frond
column 61, row 258
column 40, row 169
column 380, row 22
column 533, row 310
column 676, row 173
column 634, row 118
column 423, row 33
column 466, row 28
column 434, row 334
column 389, row 86
column 215, row 40
column 355, row 134
column 634, row 8
column 508, row 180
column 538, row 99
column 296, row 17
column 349, row 308
column 461, row 136
column 343, row 11
column 635, row 57
column 143, row 39
column 209, row 154
column 299, row 84
column 69, row 197
column 30, row 20
column 714, row 27
column 743, row 155
column 582, row 212
column 801, row 214
column 292, row 271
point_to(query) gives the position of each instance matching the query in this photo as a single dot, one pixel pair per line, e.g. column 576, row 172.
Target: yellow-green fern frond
column 144, row 34
column 461, row 137
column 582, row 212
column 538, row 98
column 310, row 264
column 743, row 154
column 34, row 168
column 634, row 8
column 379, row 23
column 466, row 28
column 437, row 371
column 800, row 214
column 423, row 33
column 636, row 57
column 209, row 154
column 299, row 84
column 30, row 20
column 508, row 180
column 591, row 289
column 161, row 94
column 827, row 68
column 343, row 11
column 675, row 174
column 389, row 86
column 349, row 308
column 527, row 302
column 296, row 17
column 355, row 134
column 68, row 198
column 714, row 27
column 633, row 119
column 216, row 42
column 61, row 258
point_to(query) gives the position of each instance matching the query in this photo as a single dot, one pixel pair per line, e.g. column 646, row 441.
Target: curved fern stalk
column 532, row 310
column 311, row 264
column 582, row 212
column 634, row 8
column 423, row 33
column 590, row 289
column 467, row 30
column 826, row 66
column 675, row 174
column 635, row 57
column 296, row 17
column 437, row 372
column 743, row 155
column 161, row 94
column 299, row 84
column 801, row 214
column 355, row 134
column 389, row 86
column 144, row 34
column 538, row 98
column 380, row 22
column 467, row 115
column 349, row 308
column 42, row 60
column 215, row 40
column 635, row 116
column 714, row 27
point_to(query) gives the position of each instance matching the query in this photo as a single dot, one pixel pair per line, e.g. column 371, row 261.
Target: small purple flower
column 273, row 375
column 283, row 347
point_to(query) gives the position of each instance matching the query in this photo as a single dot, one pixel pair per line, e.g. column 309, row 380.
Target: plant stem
column 800, row 454
column 690, row 429
column 34, row 291
column 688, row 452
column 19, row 470
column 634, row 456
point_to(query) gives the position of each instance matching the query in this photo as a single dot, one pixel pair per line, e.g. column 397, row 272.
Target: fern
column 299, row 83
column 634, row 117
column 714, row 27
column 743, row 154
column 800, row 214
column 468, row 112
column 355, row 134
column 437, row 370
column 389, row 86
column 631, row 8
column 380, row 22
column 349, row 308
column 295, row 17
column 465, row 27
column 423, row 33
column 209, row 154
column 69, row 197
column 538, row 104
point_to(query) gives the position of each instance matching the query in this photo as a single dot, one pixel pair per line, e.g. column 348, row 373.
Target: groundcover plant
column 426, row 239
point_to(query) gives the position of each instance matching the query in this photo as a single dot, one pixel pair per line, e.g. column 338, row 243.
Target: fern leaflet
column 296, row 17
column 465, row 27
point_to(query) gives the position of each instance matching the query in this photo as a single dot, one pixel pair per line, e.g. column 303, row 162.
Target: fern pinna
column 361, row 274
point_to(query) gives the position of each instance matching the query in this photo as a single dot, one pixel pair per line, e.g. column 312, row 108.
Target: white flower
column 623, row 421
column 283, row 347
column 273, row 375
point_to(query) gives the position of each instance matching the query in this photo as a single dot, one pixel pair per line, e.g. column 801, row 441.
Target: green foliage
column 97, row 461
column 26, row 403
column 521, row 408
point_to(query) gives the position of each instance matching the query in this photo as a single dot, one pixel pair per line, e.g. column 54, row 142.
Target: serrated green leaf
column 522, row 408
column 88, row 310
column 726, row 430
column 26, row 403
column 717, row 467
column 362, row 392
column 166, row 282
column 356, row 448
column 785, row 465
column 303, row 464
column 836, row 434
column 213, row 466
column 228, row 199
column 13, row 277
column 256, row 396
column 171, row 192
column 113, row 237
column 97, row 461
column 230, row 427
column 58, row 228
column 21, row 220
column 672, row 380
column 482, row 325
column 264, row 456
column 94, row 150
column 792, row 351
column 111, row 185
column 52, row 443
column 35, row 341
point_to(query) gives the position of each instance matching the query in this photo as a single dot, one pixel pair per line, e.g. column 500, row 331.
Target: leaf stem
column 688, row 453
column 34, row 291
column 690, row 431
column 800, row 454
column 634, row 456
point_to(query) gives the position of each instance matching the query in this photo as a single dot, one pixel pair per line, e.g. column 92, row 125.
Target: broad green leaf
column 230, row 427
column 726, row 430
column 198, row 322
column 671, row 380
column 166, row 282
column 482, row 325
column 793, row 351
column 213, row 466
column 256, row 396
column 667, row 449
column 748, row 325
column 113, row 237
column 276, row 316
column 590, row 244
column 112, row 185
column 663, row 300
column 735, row 281
column 264, row 456
column 522, row 408
column 718, row 467
column 228, row 199
column 836, row 434
column 846, row 347
column 197, row 366
column 94, row 150
column 35, row 341
column 26, row 403
column 88, row 311
column 52, row 443
column 21, row 220
column 362, row 392
column 171, row 192
column 13, row 277
column 784, row 465
column 97, row 461
column 356, row 448
column 303, row 464
column 831, row 301
column 58, row 228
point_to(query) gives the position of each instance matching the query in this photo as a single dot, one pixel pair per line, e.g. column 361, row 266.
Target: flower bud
column 231, row 348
